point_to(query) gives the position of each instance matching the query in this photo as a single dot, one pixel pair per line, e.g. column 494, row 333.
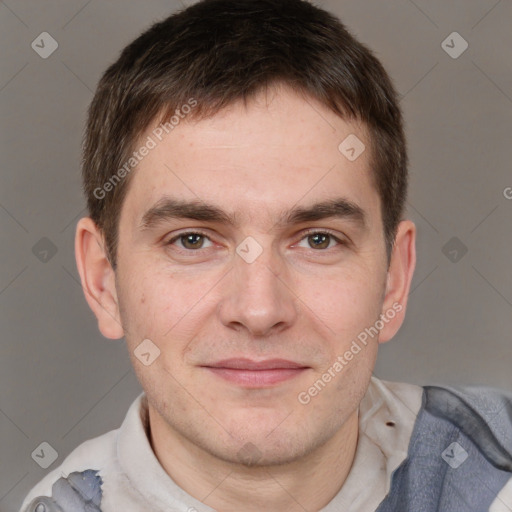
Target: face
column 254, row 300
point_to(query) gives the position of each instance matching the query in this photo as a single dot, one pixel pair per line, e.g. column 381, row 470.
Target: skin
column 295, row 301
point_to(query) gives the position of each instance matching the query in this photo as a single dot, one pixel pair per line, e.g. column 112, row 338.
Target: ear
column 98, row 278
column 400, row 272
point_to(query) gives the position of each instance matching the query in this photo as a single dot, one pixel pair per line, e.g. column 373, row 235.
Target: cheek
column 161, row 305
column 145, row 300
column 346, row 302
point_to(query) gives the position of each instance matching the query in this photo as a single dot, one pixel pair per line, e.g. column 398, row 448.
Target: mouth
column 256, row 374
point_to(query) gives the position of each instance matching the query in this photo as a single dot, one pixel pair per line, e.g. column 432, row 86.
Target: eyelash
column 305, row 235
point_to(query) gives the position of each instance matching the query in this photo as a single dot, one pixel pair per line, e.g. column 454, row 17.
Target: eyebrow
column 169, row 208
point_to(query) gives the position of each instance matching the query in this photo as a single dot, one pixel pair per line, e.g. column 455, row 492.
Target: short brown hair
column 221, row 51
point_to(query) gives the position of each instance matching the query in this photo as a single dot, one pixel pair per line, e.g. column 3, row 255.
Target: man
column 245, row 169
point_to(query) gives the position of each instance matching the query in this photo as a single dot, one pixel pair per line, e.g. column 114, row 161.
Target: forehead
column 278, row 150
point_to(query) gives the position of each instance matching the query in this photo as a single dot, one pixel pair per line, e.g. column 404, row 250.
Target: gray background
column 62, row 383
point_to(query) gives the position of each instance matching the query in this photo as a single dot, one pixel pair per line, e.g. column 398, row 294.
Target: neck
column 306, row 484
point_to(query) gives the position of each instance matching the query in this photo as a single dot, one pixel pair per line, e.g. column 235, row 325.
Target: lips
column 254, row 374
column 248, row 364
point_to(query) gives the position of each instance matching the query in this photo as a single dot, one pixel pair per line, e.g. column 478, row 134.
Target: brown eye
column 321, row 240
column 189, row 241
column 192, row 241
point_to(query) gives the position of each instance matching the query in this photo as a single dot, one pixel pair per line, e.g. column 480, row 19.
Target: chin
column 260, row 453
column 270, row 443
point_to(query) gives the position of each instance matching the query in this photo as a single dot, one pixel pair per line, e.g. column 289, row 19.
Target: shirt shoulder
column 484, row 414
column 80, row 475
column 460, row 450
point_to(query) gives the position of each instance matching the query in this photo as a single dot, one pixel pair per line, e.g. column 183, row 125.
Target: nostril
column 390, row 423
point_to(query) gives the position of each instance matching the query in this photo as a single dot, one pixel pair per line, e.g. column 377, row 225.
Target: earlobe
column 98, row 278
column 400, row 272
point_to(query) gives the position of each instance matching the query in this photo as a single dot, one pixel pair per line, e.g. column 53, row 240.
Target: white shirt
column 134, row 480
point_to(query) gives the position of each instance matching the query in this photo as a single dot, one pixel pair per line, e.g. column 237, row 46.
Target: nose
column 257, row 296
